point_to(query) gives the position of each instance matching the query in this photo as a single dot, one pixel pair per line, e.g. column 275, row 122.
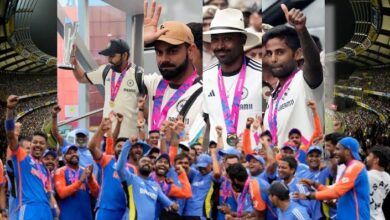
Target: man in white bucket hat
column 231, row 87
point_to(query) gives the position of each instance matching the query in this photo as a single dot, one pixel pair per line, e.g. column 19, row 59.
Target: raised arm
column 123, row 173
column 94, row 143
column 217, row 172
column 312, row 68
column 151, row 33
column 117, row 129
column 12, row 101
column 54, row 128
column 78, row 71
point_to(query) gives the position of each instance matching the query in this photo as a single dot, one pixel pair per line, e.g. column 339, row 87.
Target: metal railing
column 70, row 120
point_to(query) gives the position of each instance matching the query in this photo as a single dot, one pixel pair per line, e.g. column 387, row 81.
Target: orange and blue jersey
column 33, row 187
column 202, row 191
column 74, row 196
column 352, row 191
column 260, row 201
column 293, row 212
column 319, row 176
column 111, row 202
column 144, row 194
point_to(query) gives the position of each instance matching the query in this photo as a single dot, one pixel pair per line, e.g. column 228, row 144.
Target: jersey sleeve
column 61, row 188
column 246, row 141
column 163, row 199
column 300, row 214
column 346, row 183
column 20, row 154
column 184, row 192
column 2, row 179
column 96, row 77
column 104, row 160
column 257, row 199
column 110, row 146
column 121, row 168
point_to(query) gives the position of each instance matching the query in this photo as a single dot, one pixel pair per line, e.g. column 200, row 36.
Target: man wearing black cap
column 121, row 80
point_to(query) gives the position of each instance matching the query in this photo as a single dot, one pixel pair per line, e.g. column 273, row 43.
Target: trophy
column 70, row 30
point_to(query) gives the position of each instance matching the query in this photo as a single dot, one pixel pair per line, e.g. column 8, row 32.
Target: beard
column 283, row 71
column 174, row 73
column 73, row 161
column 145, row 170
column 237, row 187
column 116, row 68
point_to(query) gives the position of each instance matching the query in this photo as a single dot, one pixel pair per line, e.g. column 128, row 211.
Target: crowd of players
column 139, row 164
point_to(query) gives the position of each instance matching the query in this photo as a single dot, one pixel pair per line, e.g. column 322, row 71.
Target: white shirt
column 250, row 104
column 125, row 101
column 293, row 111
column 379, row 188
column 151, row 82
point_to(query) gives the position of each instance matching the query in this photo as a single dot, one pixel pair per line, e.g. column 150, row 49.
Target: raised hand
column 141, row 102
column 295, row 17
column 256, row 124
column 119, row 117
column 55, row 110
column 12, row 101
column 312, row 105
column 219, row 130
column 151, row 32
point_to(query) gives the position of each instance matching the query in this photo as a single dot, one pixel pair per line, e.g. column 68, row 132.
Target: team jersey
column 125, row 101
column 112, row 196
column 144, row 194
column 292, row 110
column 295, row 186
column 226, row 196
column 74, row 194
column 259, row 198
column 319, row 176
column 251, row 97
column 152, row 81
column 352, row 191
column 293, row 212
column 379, row 188
column 32, row 181
column 202, row 191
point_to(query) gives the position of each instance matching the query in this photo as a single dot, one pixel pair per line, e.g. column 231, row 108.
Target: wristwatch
column 308, row 195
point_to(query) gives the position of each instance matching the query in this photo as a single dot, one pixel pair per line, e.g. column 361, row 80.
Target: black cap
column 115, row 46
column 279, row 189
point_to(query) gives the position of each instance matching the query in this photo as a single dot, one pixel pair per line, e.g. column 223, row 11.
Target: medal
column 112, row 104
column 232, row 140
column 115, row 86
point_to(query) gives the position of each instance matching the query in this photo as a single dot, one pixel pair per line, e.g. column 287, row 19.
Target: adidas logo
column 212, row 94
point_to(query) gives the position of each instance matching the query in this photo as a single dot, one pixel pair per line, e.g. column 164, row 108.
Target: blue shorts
column 103, row 214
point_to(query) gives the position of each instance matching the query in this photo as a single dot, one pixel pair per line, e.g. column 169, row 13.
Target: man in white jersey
column 171, row 92
column 231, row 87
column 120, row 84
column 287, row 106
column 379, row 179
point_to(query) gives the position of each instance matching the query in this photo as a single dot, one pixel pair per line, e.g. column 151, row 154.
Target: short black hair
column 40, row 133
column 193, row 145
column 24, row 138
column 181, row 156
column 383, row 154
column 288, row 34
column 197, row 31
column 292, row 162
column 120, row 139
column 154, row 131
column 237, row 171
column 334, row 137
column 266, row 133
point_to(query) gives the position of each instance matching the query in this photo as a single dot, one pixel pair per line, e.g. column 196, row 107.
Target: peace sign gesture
column 295, row 17
column 151, row 33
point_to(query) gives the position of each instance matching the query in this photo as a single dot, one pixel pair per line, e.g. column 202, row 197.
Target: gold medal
column 112, row 104
column 232, row 139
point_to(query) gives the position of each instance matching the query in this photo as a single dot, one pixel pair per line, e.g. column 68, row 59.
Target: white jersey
column 379, row 188
column 250, row 105
column 151, row 82
column 293, row 111
column 125, row 101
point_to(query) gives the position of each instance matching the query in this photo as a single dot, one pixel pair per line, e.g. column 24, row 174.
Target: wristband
column 9, row 124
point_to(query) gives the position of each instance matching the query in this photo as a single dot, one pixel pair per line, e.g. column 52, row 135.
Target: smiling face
column 50, row 162
column 314, row 160
column 145, row 166
column 284, row 170
column 71, row 157
column 229, row 47
column 38, row 146
column 162, row 167
column 255, row 167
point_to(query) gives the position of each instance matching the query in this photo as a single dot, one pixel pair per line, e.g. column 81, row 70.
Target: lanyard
column 241, row 198
column 273, row 108
column 231, row 115
column 72, row 174
column 163, row 184
column 115, row 86
column 158, row 115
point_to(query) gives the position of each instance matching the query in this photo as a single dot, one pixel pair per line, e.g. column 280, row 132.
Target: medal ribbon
column 163, row 184
column 73, row 174
column 273, row 108
column 158, row 115
column 241, row 199
column 231, row 117
column 42, row 176
column 115, row 86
